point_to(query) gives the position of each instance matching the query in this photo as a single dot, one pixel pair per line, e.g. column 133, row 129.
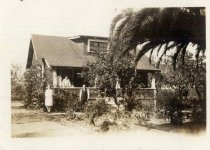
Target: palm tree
column 158, row 29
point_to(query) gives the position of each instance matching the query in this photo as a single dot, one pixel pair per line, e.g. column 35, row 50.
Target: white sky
column 48, row 17
column 18, row 20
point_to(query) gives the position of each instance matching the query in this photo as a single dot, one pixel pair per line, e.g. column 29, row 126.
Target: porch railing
column 142, row 94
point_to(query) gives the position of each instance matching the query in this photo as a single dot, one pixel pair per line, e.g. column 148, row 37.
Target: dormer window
column 96, row 45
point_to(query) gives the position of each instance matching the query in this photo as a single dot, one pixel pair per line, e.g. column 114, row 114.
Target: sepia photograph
column 105, row 70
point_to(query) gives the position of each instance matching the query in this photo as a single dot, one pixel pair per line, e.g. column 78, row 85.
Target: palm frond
column 163, row 53
column 176, row 54
column 145, row 48
column 157, row 27
column 184, row 49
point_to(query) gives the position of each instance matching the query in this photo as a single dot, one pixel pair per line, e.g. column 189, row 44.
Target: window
column 96, row 45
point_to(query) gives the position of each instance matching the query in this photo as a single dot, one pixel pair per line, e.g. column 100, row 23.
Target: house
column 65, row 56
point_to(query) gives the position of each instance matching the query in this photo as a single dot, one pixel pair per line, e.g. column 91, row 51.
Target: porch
column 145, row 96
column 69, row 78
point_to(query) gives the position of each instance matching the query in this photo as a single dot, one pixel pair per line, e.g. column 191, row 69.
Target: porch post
column 154, row 87
column 153, row 81
column 42, row 69
column 54, row 77
column 95, row 82
column 72, row 76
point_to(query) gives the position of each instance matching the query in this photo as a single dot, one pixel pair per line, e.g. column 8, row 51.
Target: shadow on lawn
column 189, row 127
column 18, row 107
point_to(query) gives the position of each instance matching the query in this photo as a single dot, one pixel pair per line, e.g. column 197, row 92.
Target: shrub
column 65, row 100
column 176, row 117
column 140, row 116
column 70, row 115
column 17, row 83
column 95, row 109
column 105, row 125
column 168, row 100
column 34, row 84
column 164, row 97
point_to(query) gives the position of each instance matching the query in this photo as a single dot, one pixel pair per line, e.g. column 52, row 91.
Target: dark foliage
column 156, row 28
column 95, row 109
column 35, row 86
column 105, row 126
column 108, row 73
column 183, row 93
column 17, row 83
column 65, row 100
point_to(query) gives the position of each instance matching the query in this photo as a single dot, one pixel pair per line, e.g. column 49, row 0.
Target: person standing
column 84, row 94
column 48, row 98
column 54, row 74
column 66, row 82
column 59, row 81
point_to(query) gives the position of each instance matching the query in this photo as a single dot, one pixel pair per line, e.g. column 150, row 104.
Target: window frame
column 95, row 40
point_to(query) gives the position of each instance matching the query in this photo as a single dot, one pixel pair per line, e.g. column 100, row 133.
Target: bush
column 164, row 97
column 65, row 100
column 17, row 83
column 105, row 126
column 70, row 115
column 167, row 100
column 34, row 84
column 95, row 109
column 140, row 116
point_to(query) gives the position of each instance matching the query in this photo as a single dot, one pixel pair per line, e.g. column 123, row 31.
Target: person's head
column 84, row 86
column 48, row 86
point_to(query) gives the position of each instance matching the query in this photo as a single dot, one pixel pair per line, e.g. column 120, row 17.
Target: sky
column 19, row 19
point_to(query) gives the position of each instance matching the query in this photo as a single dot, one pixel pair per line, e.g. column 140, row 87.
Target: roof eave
column 87, row 36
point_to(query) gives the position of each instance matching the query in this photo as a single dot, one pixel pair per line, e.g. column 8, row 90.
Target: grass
column 127, row 122
column 120, row 121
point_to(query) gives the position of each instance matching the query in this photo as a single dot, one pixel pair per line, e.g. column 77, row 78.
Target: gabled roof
column 88, row 37
column 57, row 51
column 61, row 51
column 144, row 64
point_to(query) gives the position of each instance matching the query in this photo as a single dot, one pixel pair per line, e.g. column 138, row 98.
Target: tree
column 187, row 77
column 35, row 83
column 157, row 29
column 106, row 73
column 17, row 82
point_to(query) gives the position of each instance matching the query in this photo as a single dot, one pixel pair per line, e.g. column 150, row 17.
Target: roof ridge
column 48, row 35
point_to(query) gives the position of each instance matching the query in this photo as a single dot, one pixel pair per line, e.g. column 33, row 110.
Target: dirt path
column 29, row 123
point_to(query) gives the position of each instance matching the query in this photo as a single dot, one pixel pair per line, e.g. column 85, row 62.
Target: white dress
column 49, row 97
column 55, row 79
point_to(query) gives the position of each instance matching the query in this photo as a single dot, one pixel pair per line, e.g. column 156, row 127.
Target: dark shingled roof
column 58, row 51
column 61, row 51
column 88, row 37
column 144, row 64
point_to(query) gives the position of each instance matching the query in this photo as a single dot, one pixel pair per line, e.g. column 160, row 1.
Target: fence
column 142, row 94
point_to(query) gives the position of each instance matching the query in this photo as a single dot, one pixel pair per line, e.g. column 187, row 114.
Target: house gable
column 31, row 56
column 57, row 51
column 70, row 52
column 90, row 44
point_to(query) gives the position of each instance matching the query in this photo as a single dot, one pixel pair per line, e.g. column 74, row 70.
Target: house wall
column 82, row 44
column 31, row 58
column 72, row 75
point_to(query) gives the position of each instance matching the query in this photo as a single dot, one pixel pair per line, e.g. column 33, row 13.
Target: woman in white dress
column 48, row 98
column 55, row 82
column 66, row 82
